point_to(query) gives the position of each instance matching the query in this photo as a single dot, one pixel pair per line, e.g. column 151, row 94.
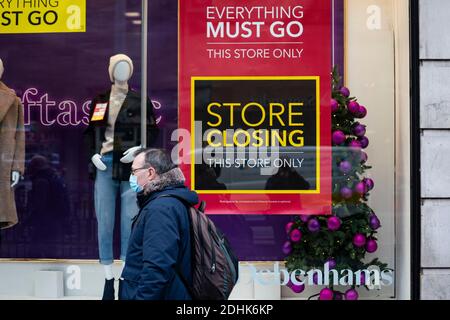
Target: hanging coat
column 12, row 152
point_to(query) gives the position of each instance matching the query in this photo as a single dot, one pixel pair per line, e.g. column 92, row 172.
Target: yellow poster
column 42, row 16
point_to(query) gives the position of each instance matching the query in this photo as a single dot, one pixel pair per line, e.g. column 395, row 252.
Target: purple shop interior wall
column 56, row 75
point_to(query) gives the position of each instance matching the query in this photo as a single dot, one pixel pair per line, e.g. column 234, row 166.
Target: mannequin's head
column 120, row 68
column 1, row 68
column 122, row 71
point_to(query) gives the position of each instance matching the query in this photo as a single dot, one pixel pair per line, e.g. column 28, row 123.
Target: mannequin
column 15, row 175
column 12, row 146
column 113, row 137
column 121, row 75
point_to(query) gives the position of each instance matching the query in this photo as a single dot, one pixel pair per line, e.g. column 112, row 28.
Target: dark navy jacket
column 160, row 240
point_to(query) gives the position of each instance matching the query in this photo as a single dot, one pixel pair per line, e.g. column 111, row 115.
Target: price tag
column 99, row 111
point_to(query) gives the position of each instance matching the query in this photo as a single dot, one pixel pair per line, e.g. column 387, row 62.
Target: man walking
column 158, row 261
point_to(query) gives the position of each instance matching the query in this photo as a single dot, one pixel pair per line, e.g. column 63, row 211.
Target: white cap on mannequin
column 114, row 60
column 1, row 68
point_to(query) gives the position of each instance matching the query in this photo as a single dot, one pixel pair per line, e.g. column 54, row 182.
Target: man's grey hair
column 159, row 159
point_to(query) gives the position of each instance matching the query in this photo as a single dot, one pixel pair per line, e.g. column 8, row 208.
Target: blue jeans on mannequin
column 105, row 194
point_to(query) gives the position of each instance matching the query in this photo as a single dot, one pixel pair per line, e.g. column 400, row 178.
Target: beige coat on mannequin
column 12, row 152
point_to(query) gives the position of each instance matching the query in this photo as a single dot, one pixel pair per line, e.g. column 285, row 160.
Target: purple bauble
column 374, row 222
column 338, row 137
column 355, row 144
column 289, row 227
column 338, row 296
column 326, row 294
column 296, row 235
column 313, row 225
column 371, row 245
column 315, row 278
column 362, row 112
column 359, row 240
column 369, row 183
column 287, row 248
column 296, row 288
column 333, row 223
column 353, row 107
column 334, row 105
column 304, row 218
column 359, row 130
column 345, row 167
column 346, row 193
column 361, row 188
column 362, row 278
column 351, row 294
column 364, row 157
column 345, row 92
column 331, row 263
column 364, row 142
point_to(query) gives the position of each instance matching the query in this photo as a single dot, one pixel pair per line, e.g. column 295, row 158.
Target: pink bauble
column 296, row 235
column 351, row 294
column 361, row 188
column 289, row 227
column 287, row 248
column 359, row 240
column 364, row 157
column 334, row 105
column 304, row 218
column 313, row 225
column 364, row 142
column 346, row 193
column 362, row 112
column 362, row 278
column 353, row 107
column 345, row 92
column 359, row 130
column 345, row 167
column 331, row 263
column 333, row 223
column 371, row 245
column 369, row 183
column 315, row 278
column 355, row 144
column 374, row 222
column 296, row 288
column 338, row 137
column 326, row 294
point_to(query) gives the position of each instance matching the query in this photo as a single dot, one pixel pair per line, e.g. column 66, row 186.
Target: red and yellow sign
column 42, row 16
column 254, row 89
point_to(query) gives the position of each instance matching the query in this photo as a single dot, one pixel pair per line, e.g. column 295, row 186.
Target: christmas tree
column 342, row 240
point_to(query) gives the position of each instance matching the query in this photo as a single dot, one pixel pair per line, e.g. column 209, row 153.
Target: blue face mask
column 134, row 184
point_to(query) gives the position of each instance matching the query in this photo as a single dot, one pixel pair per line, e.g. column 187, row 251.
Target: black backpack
column 214, row 264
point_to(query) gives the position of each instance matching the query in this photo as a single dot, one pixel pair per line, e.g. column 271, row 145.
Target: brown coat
column 12, row 152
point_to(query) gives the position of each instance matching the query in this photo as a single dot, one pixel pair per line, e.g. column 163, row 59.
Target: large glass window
column 56, row 75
